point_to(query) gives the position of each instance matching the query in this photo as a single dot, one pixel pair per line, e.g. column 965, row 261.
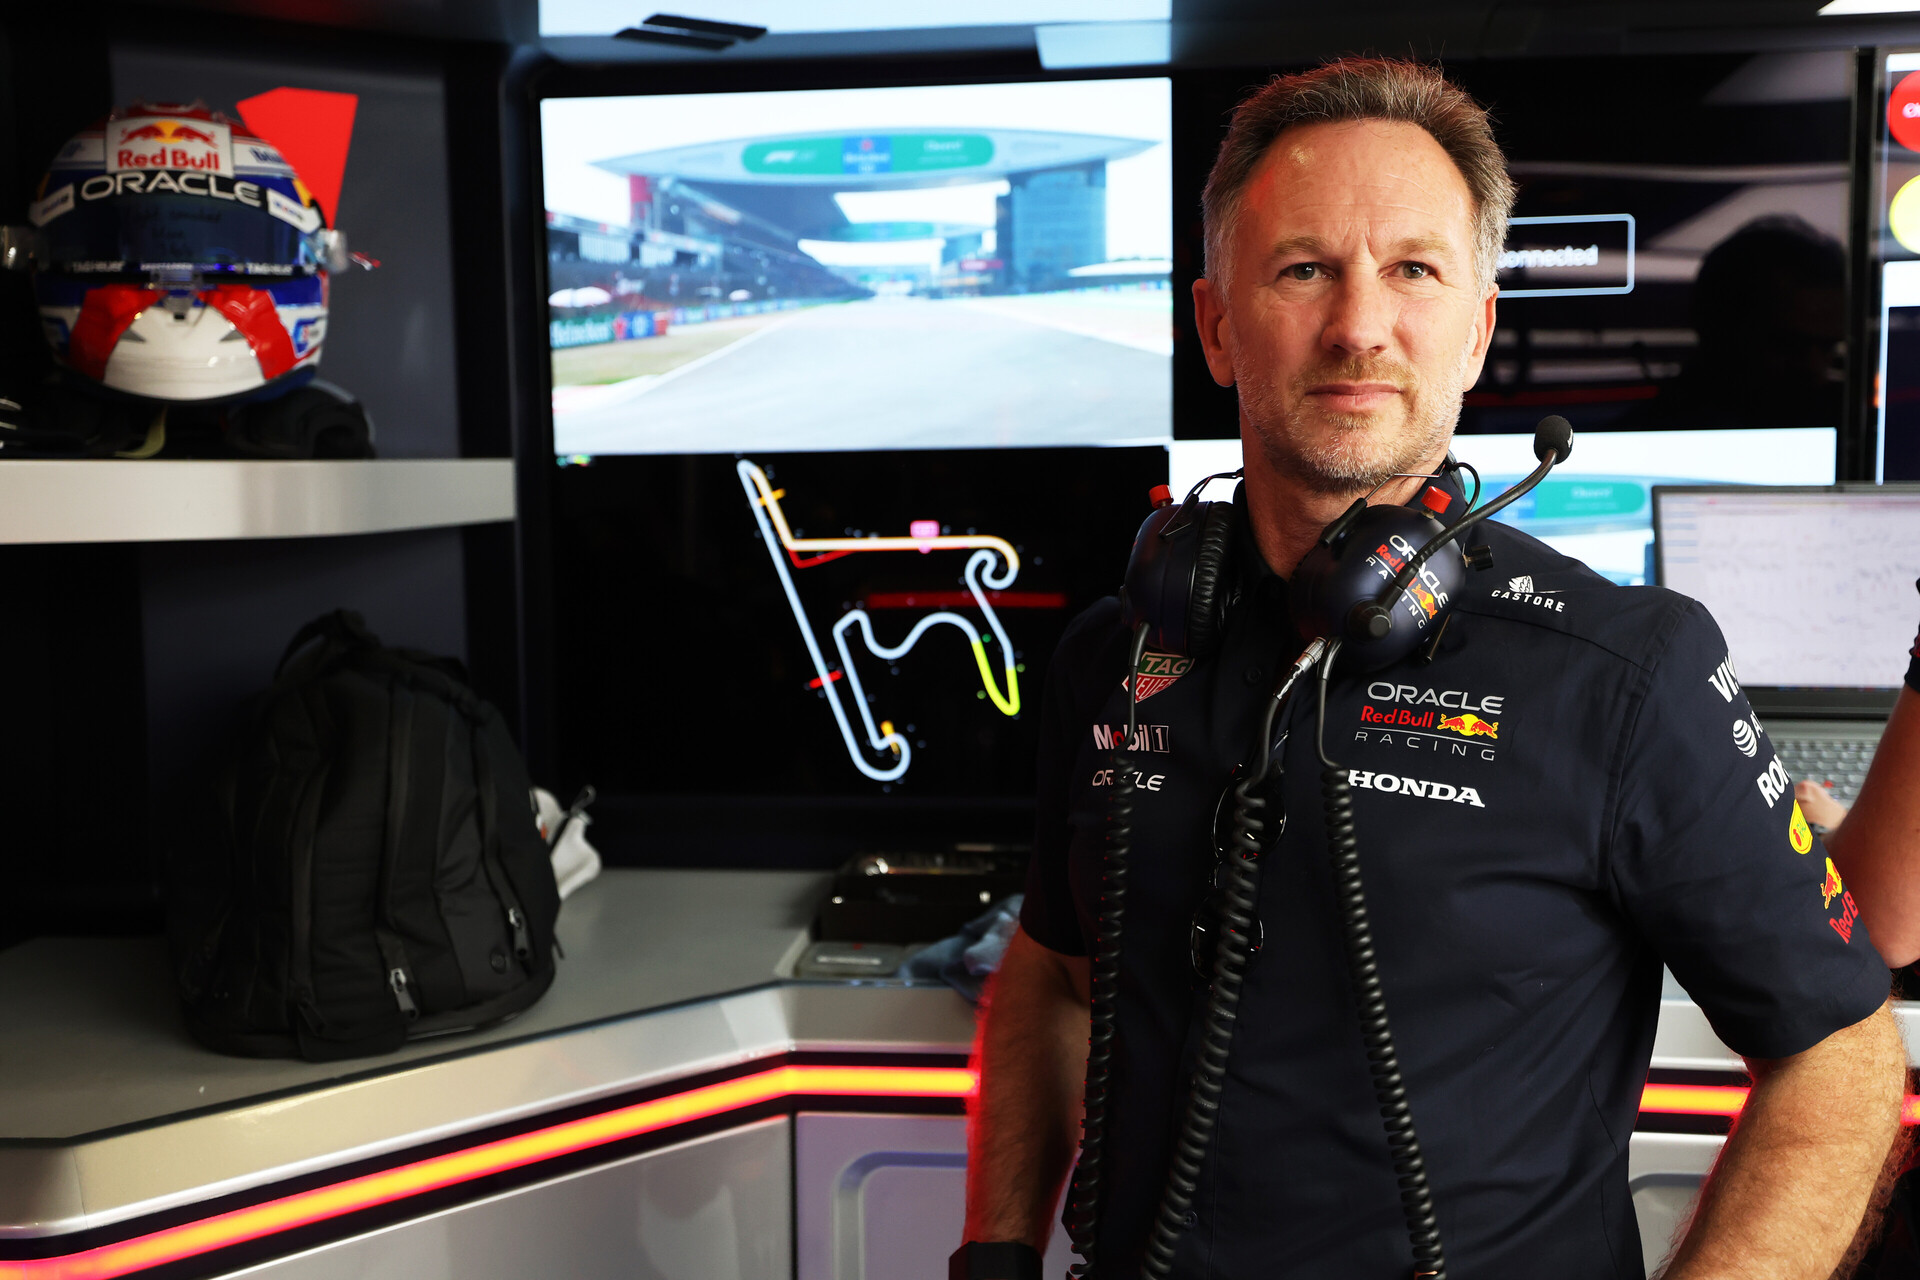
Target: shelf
column 101, row 500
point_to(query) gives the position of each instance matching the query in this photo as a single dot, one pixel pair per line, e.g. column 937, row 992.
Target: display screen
column 1897, row 247
column 1849, row 618
column 1597, row 506
column 1677, row 259
column 827, row 624
column 930, row 267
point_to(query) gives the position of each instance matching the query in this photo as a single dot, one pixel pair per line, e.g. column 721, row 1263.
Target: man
column 1547, row 812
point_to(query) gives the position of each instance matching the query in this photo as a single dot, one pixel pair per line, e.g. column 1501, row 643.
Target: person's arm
column 1819, row 807
column 1031, row 1052
column 1878, row 847
column 1790, row 1188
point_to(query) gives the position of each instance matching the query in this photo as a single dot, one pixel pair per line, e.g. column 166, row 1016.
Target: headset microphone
column 1338, row 589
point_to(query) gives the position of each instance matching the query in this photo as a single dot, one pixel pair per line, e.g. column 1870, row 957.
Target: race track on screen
column 886, row 373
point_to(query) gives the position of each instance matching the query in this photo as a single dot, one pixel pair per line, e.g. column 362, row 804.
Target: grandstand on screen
column 717, row 228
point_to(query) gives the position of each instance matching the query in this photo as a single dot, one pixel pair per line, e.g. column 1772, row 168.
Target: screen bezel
column 1844, row 703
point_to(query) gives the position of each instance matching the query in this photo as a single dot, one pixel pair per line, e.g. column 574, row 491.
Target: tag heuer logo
column 1522, row 583
column 1157, row 671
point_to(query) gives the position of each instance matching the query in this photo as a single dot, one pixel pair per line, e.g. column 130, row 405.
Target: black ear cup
column 1175, row 577
column 1212, row 593
column 1337, row 590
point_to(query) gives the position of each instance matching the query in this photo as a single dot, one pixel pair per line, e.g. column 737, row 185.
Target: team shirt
column 1573, row 793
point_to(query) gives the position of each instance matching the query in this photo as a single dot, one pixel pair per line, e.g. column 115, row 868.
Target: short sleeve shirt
column 1572, row 793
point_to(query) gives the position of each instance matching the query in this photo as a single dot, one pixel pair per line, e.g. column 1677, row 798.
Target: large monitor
column 857, row 397
column 932, row 266
column 1677, row 259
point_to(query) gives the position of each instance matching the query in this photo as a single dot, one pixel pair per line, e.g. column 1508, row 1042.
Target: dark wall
column 132, row 664
column 217, row 615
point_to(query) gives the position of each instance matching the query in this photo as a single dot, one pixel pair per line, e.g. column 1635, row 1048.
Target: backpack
column 370, row 871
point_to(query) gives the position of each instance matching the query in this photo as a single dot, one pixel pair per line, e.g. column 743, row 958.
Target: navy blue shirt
column 1573, row 792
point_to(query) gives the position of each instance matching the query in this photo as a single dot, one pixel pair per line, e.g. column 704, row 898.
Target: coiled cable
column 1403, row 1144
column 1083, row 1205
column 1239, row 903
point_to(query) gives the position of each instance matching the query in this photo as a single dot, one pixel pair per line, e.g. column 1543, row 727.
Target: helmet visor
column 134, row 235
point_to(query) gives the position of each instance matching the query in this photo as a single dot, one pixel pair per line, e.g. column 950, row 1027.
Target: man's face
column 1352, row 321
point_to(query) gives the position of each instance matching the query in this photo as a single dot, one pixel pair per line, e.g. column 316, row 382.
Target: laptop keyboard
column 1838, row 765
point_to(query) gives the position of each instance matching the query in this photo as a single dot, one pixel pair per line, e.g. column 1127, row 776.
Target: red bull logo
column 170, row 131
column 1831, row 888
column 1424, row 598
column 1471, row 726
column 149, row 143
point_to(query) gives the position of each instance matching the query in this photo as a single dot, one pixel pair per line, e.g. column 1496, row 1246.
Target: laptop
column 1813, row 587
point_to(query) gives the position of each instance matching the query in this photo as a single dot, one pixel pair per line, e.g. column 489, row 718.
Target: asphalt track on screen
column 897, row 374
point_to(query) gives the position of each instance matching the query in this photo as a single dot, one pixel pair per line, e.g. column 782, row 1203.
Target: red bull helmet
column 178, row 257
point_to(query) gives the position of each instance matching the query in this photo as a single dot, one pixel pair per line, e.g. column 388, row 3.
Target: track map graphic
column 885, row 753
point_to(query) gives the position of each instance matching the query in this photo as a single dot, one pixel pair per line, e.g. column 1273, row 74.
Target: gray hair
column 1363, row 89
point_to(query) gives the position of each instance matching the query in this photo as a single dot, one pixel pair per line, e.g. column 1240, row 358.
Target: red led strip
column 1724, row 1100
column 191, row 1239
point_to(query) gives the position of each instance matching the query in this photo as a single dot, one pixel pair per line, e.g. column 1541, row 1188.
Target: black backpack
column 371, row 870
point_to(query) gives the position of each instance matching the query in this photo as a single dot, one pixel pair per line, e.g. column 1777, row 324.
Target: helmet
column 178, row 257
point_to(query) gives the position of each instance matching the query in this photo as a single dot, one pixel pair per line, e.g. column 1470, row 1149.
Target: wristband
column 1913, row 666
column 995, row 1260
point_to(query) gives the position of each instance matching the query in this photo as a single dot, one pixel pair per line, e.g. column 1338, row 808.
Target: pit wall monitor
column 1678, row 256
column 1597, row 506
column 918, row 267
column 825, row 643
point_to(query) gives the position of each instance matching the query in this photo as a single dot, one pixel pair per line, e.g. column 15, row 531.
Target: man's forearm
column 1794, row 1179
column 1031, row 1053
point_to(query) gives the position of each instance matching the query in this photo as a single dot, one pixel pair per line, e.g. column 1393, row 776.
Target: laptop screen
column 1814, row 587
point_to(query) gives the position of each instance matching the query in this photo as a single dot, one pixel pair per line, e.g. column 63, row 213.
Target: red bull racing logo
column 1470, row 725
column 150, row 142
column 1831, row 888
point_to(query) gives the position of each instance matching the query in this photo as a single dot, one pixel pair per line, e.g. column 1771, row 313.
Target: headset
column 1379, row 583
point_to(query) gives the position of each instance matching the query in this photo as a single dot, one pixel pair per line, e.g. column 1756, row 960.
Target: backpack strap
column 342, row 627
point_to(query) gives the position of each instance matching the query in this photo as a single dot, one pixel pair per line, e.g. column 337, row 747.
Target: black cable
column 1403, row 1144
column 1239, row 901
column 1465, row 522
column 1473, row 471
column 1083, row 1211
